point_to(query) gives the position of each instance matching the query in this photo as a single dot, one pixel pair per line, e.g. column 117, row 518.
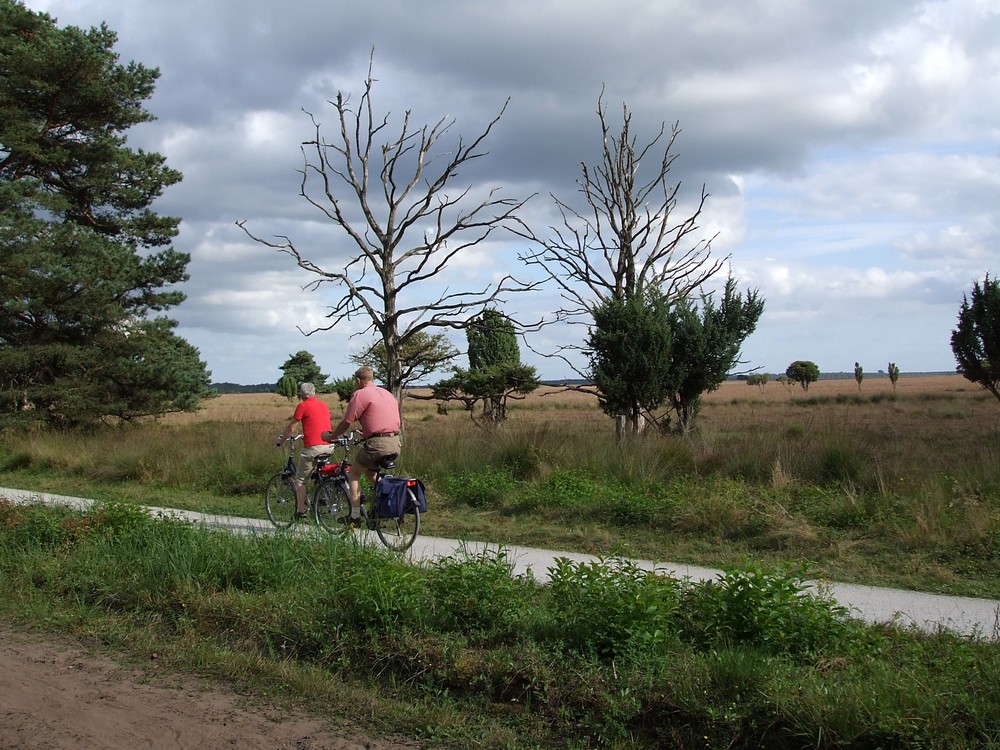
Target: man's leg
column 354, row 483
column 305, row 467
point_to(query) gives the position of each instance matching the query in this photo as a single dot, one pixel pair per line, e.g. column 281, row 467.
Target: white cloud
column 851, row 148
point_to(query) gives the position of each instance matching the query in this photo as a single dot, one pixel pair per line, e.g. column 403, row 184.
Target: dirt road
column 57, row 696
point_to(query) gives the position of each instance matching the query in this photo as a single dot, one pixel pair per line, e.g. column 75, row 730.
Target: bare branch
column 625, row 241
column 391, row 198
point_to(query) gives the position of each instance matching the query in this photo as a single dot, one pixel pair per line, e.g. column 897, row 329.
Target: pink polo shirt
column 375, row 408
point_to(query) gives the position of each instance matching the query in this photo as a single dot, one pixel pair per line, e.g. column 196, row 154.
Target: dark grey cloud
column 850, row 147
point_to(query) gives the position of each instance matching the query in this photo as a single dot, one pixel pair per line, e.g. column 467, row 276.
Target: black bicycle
column 396, row 524
column 279, row 495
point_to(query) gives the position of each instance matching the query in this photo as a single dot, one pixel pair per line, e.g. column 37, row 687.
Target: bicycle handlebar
column 343, row 441
column 347, row 440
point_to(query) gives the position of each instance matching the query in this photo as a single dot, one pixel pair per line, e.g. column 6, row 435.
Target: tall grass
column 607, row 656
column 902, row 490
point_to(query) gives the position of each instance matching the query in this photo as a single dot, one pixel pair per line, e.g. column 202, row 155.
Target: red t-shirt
column 375, row 408
column 315, row 418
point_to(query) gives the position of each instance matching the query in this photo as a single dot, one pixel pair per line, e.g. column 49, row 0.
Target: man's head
column 364, row 375
column 307, row 390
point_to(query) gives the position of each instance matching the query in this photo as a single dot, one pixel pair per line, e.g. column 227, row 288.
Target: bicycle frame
column 329, row 500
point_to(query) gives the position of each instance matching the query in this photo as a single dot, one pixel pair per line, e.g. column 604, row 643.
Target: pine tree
column 802, row 372
column 976, row 340
column 84, row 262
column 302, row 368
column 495, row 372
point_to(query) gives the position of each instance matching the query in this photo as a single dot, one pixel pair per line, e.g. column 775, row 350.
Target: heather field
column 775, row 486
column 872, row 485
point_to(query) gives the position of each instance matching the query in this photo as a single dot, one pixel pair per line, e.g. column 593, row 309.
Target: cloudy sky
column 850, row 148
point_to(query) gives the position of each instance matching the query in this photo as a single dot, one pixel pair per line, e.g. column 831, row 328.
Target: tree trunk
column 629, row 425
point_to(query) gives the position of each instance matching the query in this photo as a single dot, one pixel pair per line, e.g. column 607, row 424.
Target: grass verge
column 462, row 653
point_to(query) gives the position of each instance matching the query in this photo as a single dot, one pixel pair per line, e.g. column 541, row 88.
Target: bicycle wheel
column 330, row 504
column 399, row 533
column 279, row 501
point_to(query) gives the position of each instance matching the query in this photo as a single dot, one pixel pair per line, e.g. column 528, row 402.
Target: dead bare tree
column 390, row 196
column 623, row 240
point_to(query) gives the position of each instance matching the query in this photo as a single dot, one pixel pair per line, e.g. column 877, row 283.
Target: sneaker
column 301, row 514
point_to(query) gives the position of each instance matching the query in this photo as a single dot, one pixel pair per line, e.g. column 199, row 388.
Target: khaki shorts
column 374, row 449
column 307, row 459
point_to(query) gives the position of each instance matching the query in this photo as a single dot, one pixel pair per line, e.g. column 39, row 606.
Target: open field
column 728, row 401
column 929, row 425
column 872, row 486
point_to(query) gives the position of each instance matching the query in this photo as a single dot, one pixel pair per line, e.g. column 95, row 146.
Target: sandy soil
column 56, row 696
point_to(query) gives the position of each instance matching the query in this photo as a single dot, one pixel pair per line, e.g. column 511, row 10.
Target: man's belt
column 382, row 434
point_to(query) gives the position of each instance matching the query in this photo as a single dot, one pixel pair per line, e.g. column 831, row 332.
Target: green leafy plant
column 486, row 487
column 610, row 608
column 802, row 372
column 767, row 609
column 976, row 339
column 479, row 595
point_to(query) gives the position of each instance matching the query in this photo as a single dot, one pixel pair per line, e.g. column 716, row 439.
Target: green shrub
column 607, row 609
column 16, row 460
column 522, row 458
column 768, row 609
column 486, row 487
column 630, row 505
column 571, row 489
column 840, row 463
column 479, row 596
column 838, row 508
column 378, row 593
column 35, row 525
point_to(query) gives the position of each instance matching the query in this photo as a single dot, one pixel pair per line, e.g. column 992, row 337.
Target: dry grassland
column 932, row 425
column 919, row 397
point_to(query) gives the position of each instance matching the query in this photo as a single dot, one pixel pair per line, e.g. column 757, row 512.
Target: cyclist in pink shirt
column 377, row 411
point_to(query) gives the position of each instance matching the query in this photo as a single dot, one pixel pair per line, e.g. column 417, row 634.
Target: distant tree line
column 222, row 388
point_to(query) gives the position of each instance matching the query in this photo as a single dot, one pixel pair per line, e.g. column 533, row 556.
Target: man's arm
column 292, row 421
column 337, row 431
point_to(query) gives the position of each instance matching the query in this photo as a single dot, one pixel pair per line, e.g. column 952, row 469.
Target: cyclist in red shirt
column 377, row 411
column 315, row 418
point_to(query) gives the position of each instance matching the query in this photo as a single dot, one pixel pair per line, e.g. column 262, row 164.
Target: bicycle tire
column 330, row 503
column 398, row 534
column 279, row 501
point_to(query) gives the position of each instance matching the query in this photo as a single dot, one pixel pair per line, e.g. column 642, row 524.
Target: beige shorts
column 373, row 449
column 307, row 458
